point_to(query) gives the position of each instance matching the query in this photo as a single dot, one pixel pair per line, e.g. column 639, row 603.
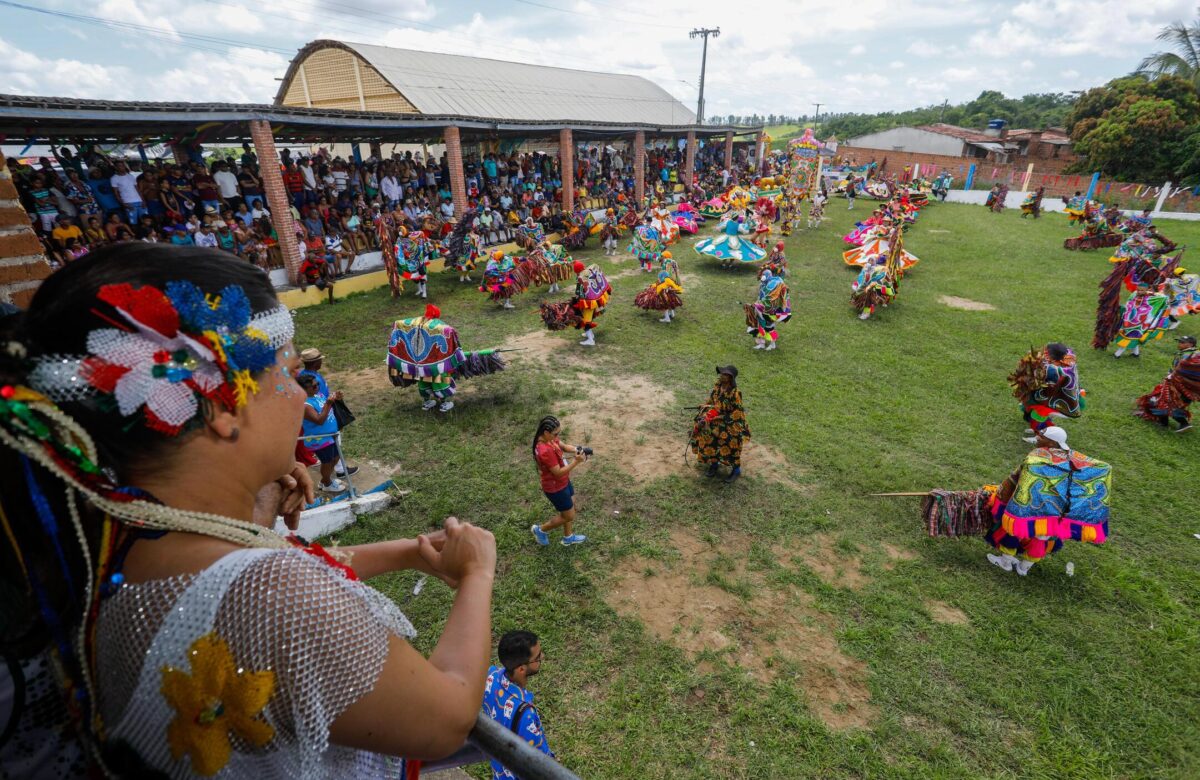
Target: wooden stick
column 890, row 495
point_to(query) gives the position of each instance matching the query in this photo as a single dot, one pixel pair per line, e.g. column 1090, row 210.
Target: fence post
column 970, row 177
column 1025, row 183
column 1162, row 198
column 1092, row 186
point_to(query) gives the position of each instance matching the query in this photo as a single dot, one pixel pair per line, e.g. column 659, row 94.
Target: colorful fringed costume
column 998, row 201
column 498, row 279
column 576, row 231
column 1170, row 398
column 1032, row 205
column 685, row 219
column 530, row 234
column 1046, row 386
column 731, row 248
column 610, row 231
column 777, row 262
column 1098, row 231
column 1184, row 289
column 592, row 292
column 1054, row 496
column 646, row 245
column 425, row 351
column 413, row 252
column 1140, row 266
column 773, row 308
column 719, row 430
column 665, row 294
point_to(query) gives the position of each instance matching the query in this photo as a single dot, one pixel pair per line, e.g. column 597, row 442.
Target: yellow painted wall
column 331, row 84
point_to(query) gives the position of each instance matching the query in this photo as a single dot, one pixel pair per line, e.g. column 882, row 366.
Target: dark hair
column 547, row 423
column 306, row 380
column 61, row 315
column 1057, row 350
column 516, row 649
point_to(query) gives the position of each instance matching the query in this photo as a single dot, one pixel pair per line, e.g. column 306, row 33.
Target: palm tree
column 1184, row 61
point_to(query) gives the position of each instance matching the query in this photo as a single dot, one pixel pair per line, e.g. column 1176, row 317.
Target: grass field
column 789, row 625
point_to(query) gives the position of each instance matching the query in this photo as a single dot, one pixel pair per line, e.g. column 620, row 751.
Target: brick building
column 1002, row 145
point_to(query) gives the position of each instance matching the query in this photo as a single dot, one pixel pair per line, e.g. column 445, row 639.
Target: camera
column 584, row 451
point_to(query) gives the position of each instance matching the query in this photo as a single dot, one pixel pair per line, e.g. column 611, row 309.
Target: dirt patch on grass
column 837, row 567
column 542, row 346
column 622, row 419
column 942, row 612
column 896, row 554
column 706, row 602
column 965, row 304
column 363, row 387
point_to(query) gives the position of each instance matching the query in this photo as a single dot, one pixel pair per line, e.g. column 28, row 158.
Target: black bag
column 342, row 414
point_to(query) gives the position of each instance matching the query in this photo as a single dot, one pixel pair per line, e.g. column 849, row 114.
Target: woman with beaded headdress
column 148, row 419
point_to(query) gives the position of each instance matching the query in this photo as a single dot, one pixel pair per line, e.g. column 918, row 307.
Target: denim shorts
column 562, row 500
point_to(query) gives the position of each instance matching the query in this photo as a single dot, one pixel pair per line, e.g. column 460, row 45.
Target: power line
column 601, row 18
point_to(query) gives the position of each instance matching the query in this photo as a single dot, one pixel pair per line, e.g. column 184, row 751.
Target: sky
column 772, row 56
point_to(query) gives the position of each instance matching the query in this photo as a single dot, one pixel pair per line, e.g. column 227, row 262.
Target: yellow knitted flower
column 216, row 698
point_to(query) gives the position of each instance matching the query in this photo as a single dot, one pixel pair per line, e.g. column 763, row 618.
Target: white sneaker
column 446, row 406
column 1022, row 568
column 589, row 340
column 1029, row 431
column 334, row 486
column 432, row 402
column 1005, row 562
column 1029, row 439
column 771, row 345
column 665, row 318
column 864, row 315
column 507, row 304
column 759, row 344
column 1120, row 351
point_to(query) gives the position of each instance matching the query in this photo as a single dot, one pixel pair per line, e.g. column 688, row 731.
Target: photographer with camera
column 555, row 472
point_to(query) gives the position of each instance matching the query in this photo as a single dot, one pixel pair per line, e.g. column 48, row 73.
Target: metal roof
column 27, row 119
column 455, row 85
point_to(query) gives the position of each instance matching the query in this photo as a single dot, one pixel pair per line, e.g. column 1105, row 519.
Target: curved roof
column 455, row 85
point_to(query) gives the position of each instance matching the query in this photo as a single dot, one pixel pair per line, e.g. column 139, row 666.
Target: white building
column 933, row 139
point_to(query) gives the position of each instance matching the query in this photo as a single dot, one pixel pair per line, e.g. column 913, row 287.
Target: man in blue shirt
column 505, row 698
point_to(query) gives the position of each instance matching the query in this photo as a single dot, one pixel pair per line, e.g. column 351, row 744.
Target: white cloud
column 24, row 73
column 857, row 48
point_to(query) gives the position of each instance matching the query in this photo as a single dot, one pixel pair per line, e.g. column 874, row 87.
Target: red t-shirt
column 548, row 455
column 293, row 180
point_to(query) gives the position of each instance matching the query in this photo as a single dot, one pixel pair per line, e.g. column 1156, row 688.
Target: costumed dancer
column 646, row 244
column 609, row 233
column 1144, row 319
column 686, row 219
column 592, row 292
column 731, row 248
column 998, row 200
column 668, row 232
column 1032, row 205
column 558, row 264
column 463, row 247
column 412, row 250
column 874, row 287
column 498, row 279
column 764, row 211
column 1184, row 289
column 773, row 308
column 816, row 211
column 1141, row 266
column 1076, row 208
column 719, row 430
column 1056, row 494
column 777, row 262
column 576, row 232
column 1170, row 398
column 664, row 295
column 530, row 234
column 425, row 351
column 1046, row 382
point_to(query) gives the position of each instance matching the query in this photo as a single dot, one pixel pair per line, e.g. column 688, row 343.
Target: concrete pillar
column 689, row 159
column 729, row 151
column 278, row 202
column 458, row 179
column 639, row 167
column 566, row 164
column 763, row 148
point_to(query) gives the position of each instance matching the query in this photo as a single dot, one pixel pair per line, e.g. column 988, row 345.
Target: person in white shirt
column 447, row 209
column 205, row 236
column 724, row 177
column 392, row 190
column 124, row 184
column 310, row 180
column 227, row 184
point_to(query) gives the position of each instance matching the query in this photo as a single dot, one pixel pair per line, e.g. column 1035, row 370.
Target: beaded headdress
column 167, row 351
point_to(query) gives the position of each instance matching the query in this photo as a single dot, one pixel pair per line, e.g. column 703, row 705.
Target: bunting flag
column 1107, row 187
column 994, row 172
column 1127, row 188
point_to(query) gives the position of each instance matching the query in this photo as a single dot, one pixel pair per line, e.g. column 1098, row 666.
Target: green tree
column 1184, row 61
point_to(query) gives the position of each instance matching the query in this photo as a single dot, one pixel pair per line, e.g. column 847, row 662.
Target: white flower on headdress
column 158, row 372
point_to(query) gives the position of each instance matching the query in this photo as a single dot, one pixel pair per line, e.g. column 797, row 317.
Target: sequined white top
column 324, row 637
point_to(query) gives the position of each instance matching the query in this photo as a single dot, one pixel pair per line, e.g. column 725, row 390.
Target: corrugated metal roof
column 451, row 84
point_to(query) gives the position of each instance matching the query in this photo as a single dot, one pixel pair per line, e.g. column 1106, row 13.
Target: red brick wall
column 23, row 265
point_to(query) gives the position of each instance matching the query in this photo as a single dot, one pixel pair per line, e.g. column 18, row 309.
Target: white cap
column 1057, row 435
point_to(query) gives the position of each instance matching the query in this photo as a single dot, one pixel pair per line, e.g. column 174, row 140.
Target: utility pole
column 817, row 119
column 942, row 115
column 703, row 32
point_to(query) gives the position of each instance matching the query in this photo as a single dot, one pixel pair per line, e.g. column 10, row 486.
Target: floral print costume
column 721, row 428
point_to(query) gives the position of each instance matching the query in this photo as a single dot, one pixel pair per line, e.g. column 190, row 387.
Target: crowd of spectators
column 82, row 199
